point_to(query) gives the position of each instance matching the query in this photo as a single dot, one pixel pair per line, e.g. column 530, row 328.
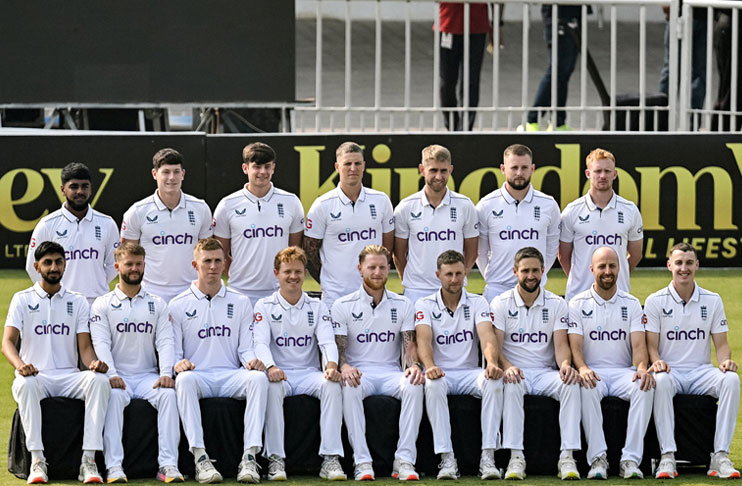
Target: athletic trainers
column 206, row 472
column 276, row 468
column 169, row 474
column 516, row 468
column 487, row 467
column 599, row 468
column 37, row 474
column 364, row 472
column 116, row 475
column 331, row 469
column 567, row 468
column 449, row 468
column 722, row 467
column 630, row 470
column 666, row 468
column 89, row 471
column 247, row 471
column 404, row 471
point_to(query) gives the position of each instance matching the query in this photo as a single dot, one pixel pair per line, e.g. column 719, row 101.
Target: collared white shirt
column 130, row 334
column 685, row 328
column 89, row 245
column 588, row 228
column 374, row 331
column 257, row 228
column 430, row 231
column 345, row 228
column 212, row 333
column 529, row 332
column 168, row 237
column 288, row 336
column 506, row 225
column 49, row 326
column 606, row 327
column 455, row 338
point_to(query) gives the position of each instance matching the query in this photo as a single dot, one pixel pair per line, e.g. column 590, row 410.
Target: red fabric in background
column 452, row 18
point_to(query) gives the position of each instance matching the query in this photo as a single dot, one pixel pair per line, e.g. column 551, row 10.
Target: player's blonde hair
column 288, row 255
column 207, row 244
column 129, row 247
column 374, row 250
column 439, row 153
column 599, row 154
column 348, row 148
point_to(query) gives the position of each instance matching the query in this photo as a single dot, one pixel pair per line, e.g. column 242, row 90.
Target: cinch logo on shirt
column 165, row 239
column 144, row 327
column 299, row 342
column 682, row 335
column 442, row 235
column 271, row 232
column 514, row 234
column 529, row 337
column 604, row 335
column 217, row 331
column 367, row 234
column 459, row 337
column 597, row 239
column 373, row 337
column 57, row 329
column 81, row 254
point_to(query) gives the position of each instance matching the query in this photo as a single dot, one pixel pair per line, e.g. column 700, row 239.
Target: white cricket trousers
column 392, row 383
column 250, row 385
column 92, row 387
column 543, row 382
column 305, row 382
column 463, row 382
column 616, row 382
column 255, row 295
column 703, row 380
column 168, row 423
column 415, row 294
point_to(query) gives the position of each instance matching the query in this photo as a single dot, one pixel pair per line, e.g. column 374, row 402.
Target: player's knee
column 663, row 383
column 491, row 386
column 166, row 396
column 514, row 389
column 119, row 398
column 435, row 387
column 276, row 390
column 569, row 390
column 256, row 379
column 99, row 382
column 332, row 390
column 730, row 381
column 589, row 394
column 410, row 390
column 351, row 392
column 27, row 386
column 185, row 381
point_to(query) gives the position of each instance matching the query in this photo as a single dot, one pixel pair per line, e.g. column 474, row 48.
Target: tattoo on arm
column 342, row 344
column 314, row 264
column 410, row 348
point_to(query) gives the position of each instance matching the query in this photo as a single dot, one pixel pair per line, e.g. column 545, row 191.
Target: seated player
column 451, row 324
column 214, row 357
column 289, row 326
column 53, row 325
column 131, row 330
column 369, row 326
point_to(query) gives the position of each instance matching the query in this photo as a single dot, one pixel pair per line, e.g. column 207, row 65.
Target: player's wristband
column 419, row 365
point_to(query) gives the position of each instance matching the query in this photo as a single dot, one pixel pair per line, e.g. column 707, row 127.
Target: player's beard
column 374, row 284
column 524, row 285
column 78, row 206
column 52, row 280
column 519, row 187
column 126, row 277
column 603, row 284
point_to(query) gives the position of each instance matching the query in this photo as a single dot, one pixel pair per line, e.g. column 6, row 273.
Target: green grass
column 728, row 283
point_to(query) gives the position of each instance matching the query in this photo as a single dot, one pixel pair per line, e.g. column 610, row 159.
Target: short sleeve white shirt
column 374, row 332
column 49, row 327
column 529, row 332
column 430, row 231
column 455, row 338
column 588, row 228
column 257, row 228
column 606, row 327
column 685, row 328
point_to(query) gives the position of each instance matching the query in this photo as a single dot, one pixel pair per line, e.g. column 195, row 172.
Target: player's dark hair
column 348, row 148
column 683, row 246
column 519, row 150
column 528, row 252
column 75, row 170
column 258, row 153
column 449, row 257
column 167, row 156
column 46, row 248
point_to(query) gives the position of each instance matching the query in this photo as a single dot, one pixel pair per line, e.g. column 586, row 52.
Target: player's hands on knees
column 27, row 369
column 728, row 365
column 333, row 374
column 569, row 375
column 493, row 372
column 513, row 375
column 350, row 375
column 164, row 382
column 646, row 378
column 275, row 374
column 117, row 382
column 588, row 377
column 184, row 365
column 415, row 375
column 255, row 364
column 660, row 366
column 98, row 365
column 434, row 372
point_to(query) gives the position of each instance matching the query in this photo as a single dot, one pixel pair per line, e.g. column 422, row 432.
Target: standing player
column 532, row 327
column 606, row 335
column 430, row 222
column 512, row 217
column 214, row 357
column 451, row 324
column 257, row 222
column 370, row 323
column 289, row 326
column 53, row 324
column 682, row 320
column 90, row 237
column 599, row 218
column 167, row 224
column 132, row 333
column 342, row 222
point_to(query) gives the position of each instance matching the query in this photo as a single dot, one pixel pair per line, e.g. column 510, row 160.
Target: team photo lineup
column 172, row 332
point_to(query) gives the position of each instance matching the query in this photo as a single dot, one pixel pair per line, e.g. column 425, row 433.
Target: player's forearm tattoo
column 410, row 347
column 314, row 264
column 342, row 344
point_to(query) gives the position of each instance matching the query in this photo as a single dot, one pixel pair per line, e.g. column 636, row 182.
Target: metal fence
column 383, row 75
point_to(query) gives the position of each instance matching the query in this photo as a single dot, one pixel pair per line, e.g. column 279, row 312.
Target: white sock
column 198, row 452
column 446, row 455
column 253, row 451
column 488, row 453
column 565, row 453
column 668, row 455
column 89, row 454
column 37, row 455
column 516, row 453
